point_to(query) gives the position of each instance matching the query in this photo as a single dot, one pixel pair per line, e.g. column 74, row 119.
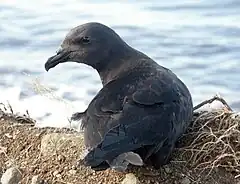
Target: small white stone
column 55, row 173
column 36, row 180
column 185, row 181
column 58, row 175
column 8, row 135
column 11, row 176
column 9, row 163
column 130, row 179
column 72, row 172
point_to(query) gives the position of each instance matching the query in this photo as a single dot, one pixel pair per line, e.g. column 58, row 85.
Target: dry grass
column 6, row 112
column 213, row 140
column 43, row 90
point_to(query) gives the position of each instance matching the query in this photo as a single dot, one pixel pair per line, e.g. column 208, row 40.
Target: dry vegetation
column 209, row 152
column 214, row 141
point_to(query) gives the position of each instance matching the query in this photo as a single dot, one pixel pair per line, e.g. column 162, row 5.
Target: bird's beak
column 61, row 57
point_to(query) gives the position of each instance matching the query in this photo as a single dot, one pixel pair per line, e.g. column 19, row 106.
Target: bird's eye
column 85, row 40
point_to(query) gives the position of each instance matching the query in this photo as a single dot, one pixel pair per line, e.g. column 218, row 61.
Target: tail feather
column 96, row 156
column 116, row 142
column 77, row 116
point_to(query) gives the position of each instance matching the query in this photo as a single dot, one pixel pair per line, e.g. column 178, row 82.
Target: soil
column 20, row 145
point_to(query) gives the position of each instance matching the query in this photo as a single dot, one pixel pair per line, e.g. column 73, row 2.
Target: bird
column 141, row 110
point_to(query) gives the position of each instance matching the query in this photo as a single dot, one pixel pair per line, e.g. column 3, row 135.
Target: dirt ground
column 21, row 145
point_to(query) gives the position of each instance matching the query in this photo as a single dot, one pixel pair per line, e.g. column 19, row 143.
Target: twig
column 210, row 101
column 10, row 108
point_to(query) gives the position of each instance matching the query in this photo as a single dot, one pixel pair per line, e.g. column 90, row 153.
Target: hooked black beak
column 60, row 57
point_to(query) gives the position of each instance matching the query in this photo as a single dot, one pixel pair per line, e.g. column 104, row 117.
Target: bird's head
column 92, row 44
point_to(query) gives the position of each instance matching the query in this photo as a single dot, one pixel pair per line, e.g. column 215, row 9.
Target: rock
column 11, row 176
column 54, row 142
column 61, row 158
column 58, row 176
column 130, row 179
column 9, row 163
column 3, row 149
column 55, row 173
column 37, row 180
column 72, row 172
column 74, row 167
column 167, row 169
column 185, row 181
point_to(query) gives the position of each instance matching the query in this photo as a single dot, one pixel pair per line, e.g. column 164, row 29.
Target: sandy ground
column 53, row 155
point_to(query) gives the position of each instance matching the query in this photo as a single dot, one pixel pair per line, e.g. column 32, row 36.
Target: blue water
column 199, row 40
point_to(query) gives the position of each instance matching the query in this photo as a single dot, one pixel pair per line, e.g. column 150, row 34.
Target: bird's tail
column 115, row 143
column 97, row 157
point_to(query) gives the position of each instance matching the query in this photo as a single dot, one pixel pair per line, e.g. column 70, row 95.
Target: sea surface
column 199, row 40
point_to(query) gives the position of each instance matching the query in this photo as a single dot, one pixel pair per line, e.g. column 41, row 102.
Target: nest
column 213, row 139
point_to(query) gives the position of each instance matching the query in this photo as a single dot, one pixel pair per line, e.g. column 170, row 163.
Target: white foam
column 48, row 112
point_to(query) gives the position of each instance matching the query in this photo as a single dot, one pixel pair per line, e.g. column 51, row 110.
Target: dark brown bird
column 142, row 109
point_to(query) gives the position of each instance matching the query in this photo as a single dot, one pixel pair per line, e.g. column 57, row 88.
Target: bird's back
column 149, row 103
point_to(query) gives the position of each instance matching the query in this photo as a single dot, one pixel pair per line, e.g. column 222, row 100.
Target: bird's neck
column 122, row 61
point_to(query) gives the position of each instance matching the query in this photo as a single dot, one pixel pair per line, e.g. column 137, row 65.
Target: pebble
column 55, row 173
column 74, row 167
column 58, row 175
column 72, row 171
column 37, row 180
column 11, row 176
column 61, row 158
column 185, row 181
column 167, row 169
column 130, row 179
column 9, row 163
